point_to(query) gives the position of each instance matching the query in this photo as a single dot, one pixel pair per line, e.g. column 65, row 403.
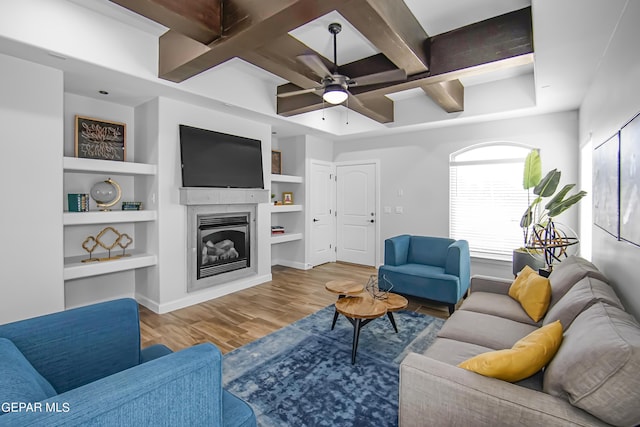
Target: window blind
column 486, row 203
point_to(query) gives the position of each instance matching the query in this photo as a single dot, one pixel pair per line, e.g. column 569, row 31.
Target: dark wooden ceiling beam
column 391, row 27
column 487, row 41
column 449, row 95
column 247, row 26
column 200, row 20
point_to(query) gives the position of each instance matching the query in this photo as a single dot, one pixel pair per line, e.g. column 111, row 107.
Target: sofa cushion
column 533, row 293
column 496, row 305
column 581, row 296
column 527, row 356
column 19, row 381
column 428, row 250
column 598, row 366
column 568, row 273
column 485, row 330
column 453, row 352
column 424, row 281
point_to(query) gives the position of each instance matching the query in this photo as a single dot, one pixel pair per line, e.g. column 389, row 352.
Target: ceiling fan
column 333, row 85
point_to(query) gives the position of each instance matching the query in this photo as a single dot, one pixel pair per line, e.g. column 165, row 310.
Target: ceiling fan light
column 335, row 94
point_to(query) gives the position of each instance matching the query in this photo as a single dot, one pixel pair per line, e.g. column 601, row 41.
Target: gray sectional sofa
column 593, row 380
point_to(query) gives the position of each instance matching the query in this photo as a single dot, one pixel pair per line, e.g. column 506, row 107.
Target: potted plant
column 544, row 240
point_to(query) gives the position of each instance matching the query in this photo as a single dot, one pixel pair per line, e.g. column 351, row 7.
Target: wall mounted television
column 214, row 159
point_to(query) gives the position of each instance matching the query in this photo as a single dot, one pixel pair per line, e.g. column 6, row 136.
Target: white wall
column 172, row 217
column 417, row 165
column 612, row 100
column 31, row 172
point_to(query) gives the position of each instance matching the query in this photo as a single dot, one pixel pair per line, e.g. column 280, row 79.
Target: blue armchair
column 434, row 268
column 85, row 366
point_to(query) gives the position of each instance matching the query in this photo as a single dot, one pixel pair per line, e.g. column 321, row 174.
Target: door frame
column 308, row 214
column 376, row 163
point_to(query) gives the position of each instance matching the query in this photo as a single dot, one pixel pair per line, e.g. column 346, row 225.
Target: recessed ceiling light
column 103, row 92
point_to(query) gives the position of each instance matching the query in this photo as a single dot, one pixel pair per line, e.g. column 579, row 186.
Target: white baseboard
column 292, row 264
column 202, row 295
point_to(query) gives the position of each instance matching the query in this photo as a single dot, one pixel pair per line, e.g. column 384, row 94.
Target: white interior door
column 356, row 213
column 322, row 209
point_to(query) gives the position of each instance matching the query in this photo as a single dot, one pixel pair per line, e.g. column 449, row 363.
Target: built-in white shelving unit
column 281, row 183
column 286, row 178
column 107, row 217
column 75, row 164
column 80, row 174
column 74, row 268
column 286, row 208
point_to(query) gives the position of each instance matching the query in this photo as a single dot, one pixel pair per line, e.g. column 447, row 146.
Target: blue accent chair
column 85, row 367
column 434, row 268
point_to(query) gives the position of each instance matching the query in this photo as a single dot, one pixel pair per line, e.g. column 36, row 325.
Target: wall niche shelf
column 75, row 164
column 286, row 178
column 108, row 217
column 285, row 208
column 74, row 268
column 286, row 237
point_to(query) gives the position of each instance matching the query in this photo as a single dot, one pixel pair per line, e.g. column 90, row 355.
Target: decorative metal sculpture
column 374, row 289
column 553, row 241
column 103, row 238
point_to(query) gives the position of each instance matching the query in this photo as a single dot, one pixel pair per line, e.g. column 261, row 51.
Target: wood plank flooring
column 237, row 319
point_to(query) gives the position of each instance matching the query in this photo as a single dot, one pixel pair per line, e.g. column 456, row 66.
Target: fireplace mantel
column 192, row 196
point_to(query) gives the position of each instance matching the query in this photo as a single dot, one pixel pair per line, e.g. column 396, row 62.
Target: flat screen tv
column 214, row 159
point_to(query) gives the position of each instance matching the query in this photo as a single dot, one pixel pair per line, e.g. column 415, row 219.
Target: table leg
column 335, row 318
column 335, row 314
column 393, row 321
column 356, row 336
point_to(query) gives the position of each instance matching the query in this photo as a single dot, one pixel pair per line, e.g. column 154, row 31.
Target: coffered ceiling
column 465, row 42
column 118, row 50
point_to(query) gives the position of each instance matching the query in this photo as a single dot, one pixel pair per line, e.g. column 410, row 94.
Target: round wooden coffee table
column 342, row 288
column 363, row 308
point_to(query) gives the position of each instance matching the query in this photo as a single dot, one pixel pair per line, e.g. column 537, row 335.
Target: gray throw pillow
column 568, row 273
column 581, row 296
column 597, row 367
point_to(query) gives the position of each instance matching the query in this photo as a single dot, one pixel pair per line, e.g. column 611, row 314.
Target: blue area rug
column 302, row 375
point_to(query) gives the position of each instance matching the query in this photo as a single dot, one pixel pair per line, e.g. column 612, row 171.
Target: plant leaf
column 548, row 185
column 559, row 196
column 527, row 217
column 532, row 170
column 566, row 204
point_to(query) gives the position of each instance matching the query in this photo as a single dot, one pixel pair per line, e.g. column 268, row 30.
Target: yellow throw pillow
column 533, row 292
column 524, row 359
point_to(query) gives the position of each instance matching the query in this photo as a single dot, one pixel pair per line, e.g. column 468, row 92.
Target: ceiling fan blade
column 298, row 92
column 383, row 77
column 315, row 64
column 354, row 101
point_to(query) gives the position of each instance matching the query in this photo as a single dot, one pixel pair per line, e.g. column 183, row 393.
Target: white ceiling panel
column 352, row 45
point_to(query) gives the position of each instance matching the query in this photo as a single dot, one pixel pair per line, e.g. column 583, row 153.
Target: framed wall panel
column 606, row 186
column 630, row 181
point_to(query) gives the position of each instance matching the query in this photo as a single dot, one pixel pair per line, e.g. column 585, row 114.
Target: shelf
column 74, row 268
column 286, row 178
column 286, row 237
column 285, row 208
column 75, row 164
column 108, row 217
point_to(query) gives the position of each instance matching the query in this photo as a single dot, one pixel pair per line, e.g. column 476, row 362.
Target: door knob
column 315, row 220
column 371, row 221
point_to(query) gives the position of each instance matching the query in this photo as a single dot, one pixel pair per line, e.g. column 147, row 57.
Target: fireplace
column 224, row 243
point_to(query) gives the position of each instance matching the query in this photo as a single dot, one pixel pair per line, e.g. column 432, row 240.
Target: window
column 487, row 199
